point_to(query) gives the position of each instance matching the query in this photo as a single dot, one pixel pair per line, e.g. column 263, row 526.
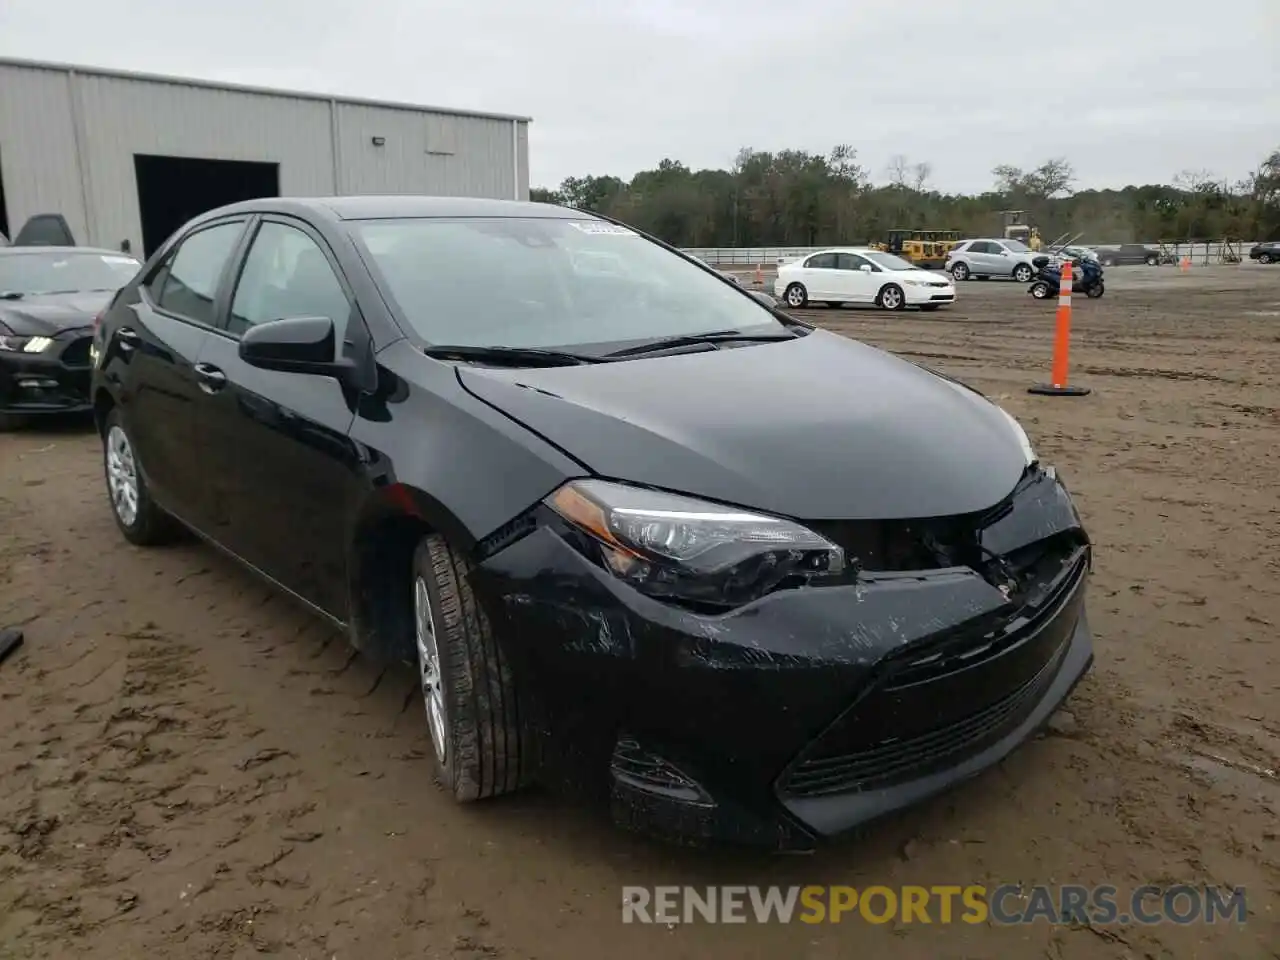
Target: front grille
column 76, row 353
column 932, row 706
column 893, row 761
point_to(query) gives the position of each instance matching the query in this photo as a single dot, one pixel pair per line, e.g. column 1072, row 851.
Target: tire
column 795, row 296
column 960, row 272
column 891, row 297
column 139, row 518
column 1153, row 260
column 1023, row 273
column 1096, row 290
column 481, row 739
column 1108, row 262
column 1264, row 258
column 1041, row 290
column 11, row 421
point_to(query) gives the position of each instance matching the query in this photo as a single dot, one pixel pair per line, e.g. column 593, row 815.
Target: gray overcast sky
column 616, row 85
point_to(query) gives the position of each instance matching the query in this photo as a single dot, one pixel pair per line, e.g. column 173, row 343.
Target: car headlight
column 14, row 344
column 680, row 548
column 1028, row 452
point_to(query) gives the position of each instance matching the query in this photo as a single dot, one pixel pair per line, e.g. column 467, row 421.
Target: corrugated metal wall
column 68, row 139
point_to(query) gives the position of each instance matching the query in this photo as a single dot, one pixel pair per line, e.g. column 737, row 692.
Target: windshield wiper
column 11, row 294
column 693, row 339
column 509, row 356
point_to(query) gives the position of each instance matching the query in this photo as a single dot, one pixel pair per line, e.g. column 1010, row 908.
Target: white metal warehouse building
column 130, row 157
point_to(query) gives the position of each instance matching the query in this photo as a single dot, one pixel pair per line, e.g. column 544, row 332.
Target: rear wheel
column 1040, row 290
column 796, row 296
column 1152, row 260
column 481, row 743
column 1264, row 258
column 1095, row 291
column 891, row 297
column 139, row 518
column 960, row 271
column 1108, row 262
column 1023, row 273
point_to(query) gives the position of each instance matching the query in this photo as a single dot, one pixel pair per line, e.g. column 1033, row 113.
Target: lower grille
column 935, row 706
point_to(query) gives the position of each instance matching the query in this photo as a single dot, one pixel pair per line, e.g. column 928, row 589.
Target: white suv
column 991, row 258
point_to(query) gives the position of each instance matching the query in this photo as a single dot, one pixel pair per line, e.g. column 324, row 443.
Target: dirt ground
column 192, row 768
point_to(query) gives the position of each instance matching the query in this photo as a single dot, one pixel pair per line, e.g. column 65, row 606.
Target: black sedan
column 49, row 297
column 1268, row 252
column 638, row 530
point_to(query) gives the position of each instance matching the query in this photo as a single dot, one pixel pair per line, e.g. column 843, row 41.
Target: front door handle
column 211, row 378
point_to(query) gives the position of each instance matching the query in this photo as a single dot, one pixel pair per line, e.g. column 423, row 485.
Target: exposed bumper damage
column 812, row 711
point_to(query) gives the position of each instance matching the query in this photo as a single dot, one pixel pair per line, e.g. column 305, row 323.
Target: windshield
column 1017, row 246
column 890, row 262
column 541, row 283
column 32, row 274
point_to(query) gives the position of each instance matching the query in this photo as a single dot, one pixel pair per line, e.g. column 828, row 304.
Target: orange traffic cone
column 1061, row 345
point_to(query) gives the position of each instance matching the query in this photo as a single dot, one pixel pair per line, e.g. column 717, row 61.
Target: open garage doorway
column 172, row 190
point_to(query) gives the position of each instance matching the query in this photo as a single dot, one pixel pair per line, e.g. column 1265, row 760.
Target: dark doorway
column 4, row 212
column 172, row 190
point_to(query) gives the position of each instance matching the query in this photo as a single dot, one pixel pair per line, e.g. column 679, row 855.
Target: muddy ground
column 192, row 768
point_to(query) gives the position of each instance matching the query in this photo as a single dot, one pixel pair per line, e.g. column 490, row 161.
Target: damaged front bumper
column 809, row 712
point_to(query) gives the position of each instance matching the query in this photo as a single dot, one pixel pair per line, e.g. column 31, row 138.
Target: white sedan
column 864, row 276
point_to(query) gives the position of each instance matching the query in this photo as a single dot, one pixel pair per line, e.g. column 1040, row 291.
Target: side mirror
column 293, row 345
column 767, row 299
column 865, row 268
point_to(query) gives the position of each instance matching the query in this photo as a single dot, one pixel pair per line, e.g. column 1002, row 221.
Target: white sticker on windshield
column 129, row 260
column 602, row 229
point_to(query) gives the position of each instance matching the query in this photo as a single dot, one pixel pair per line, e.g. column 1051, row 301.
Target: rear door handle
column 211, row 378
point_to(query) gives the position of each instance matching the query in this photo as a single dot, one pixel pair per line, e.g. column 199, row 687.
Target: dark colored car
column 48, row 299
column 1127, row 255
column 1268, row 252
column 637, row 529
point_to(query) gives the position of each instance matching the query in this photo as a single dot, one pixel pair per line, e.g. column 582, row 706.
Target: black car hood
column 48, row 315
column 821, row 427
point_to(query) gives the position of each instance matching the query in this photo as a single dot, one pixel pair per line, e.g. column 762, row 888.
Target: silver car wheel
column 429, row 668
column 122, row 476
column 891, row 299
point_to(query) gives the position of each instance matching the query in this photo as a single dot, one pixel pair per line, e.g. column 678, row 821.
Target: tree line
column 795, row 198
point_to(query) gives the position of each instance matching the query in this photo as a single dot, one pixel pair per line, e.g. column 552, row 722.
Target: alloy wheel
column 429, row 668
column 891, row 299
column 122, row 476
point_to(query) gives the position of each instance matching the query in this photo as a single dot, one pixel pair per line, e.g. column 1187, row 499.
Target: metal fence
column 753, row 256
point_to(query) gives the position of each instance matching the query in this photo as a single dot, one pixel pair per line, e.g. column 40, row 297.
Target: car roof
column 847, row 250
column 392, row 207
column 100, row 251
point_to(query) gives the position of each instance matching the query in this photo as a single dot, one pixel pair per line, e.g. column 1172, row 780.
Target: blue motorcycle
column 1086, row 278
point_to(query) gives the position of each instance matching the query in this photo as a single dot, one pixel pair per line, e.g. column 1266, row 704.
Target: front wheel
column 891, row 297
column 1022, row 273
column 796, row 296
column 1040, row 290
column 139, row 518
column 483, row 747
column 960, row 272
column 1152, row 260
column 1095, row 290
column 1264, row 258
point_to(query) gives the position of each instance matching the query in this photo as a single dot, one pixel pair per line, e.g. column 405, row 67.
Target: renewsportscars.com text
column 1005, row 905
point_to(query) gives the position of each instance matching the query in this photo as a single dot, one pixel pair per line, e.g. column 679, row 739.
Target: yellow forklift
column 926, row 249
column 1016, row 228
